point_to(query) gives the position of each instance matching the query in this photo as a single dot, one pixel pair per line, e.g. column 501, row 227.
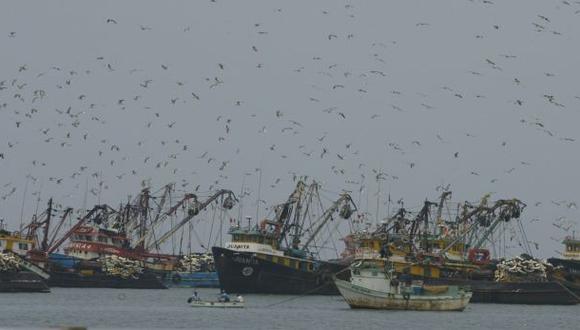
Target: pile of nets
column 523, row 268
column 197, row 262
column 123, row 267
column 8, row 262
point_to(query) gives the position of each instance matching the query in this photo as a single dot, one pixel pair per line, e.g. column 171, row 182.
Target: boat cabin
column 572, row 251
column 14, row 241
column 457, row 252
column 253, row 240
column 88, row 242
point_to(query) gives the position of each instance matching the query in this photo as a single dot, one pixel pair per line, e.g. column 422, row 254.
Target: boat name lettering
column 245, row 260
column 239, row 246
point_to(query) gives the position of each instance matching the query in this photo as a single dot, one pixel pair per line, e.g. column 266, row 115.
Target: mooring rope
column 305, row 293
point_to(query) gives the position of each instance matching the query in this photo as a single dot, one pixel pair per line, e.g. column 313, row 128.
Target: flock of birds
column 256, row 118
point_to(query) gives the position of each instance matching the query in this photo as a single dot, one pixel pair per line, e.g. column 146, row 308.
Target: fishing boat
column 371, row 287
column 270, row 257
column 127, row 234
column 90, row 244
column 451, row 252
column 17, row 274
column 520, row 280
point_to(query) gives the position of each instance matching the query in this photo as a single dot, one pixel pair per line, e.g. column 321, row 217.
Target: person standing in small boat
column 224, row 297
column 395, row 285
column 194, row 297
column 406, row 280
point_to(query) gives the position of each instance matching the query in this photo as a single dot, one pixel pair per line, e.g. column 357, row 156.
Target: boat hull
column 244, row 272
column 363, row 298
column 571, row 266
column 22, row 281
column 571, row 277
column 77, row 280
column 529, row 293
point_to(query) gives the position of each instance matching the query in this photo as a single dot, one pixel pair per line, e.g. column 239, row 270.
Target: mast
column 44, row 244
column 378, row 198
column 259, row 197
column 144, row 208
column 297, row 223
column 67, row 212
column 284, row 211
column 81, row 222
column 23, row 202
column 442, row 199
column 486, row 217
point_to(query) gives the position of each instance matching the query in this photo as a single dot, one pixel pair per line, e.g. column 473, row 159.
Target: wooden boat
column 216, row 304
column 106, row 233
column 374, row 288
column 361, row 297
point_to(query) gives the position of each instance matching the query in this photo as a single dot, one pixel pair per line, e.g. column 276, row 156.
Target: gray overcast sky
column 397, row 86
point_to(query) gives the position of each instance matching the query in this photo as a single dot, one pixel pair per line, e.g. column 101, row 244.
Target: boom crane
column 35, row 225
column 161, row 217
column 227, row 203
column 67, row 212
column 486, row 216
column 80, row 223
column 345, row 212
column 444, row 196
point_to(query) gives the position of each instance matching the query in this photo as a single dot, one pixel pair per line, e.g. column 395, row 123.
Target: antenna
column 86, row 193
column 378, row 198
column 249, row 221
column 259, row 197
column 23, row 201
column 242, row 195
column 389, row 203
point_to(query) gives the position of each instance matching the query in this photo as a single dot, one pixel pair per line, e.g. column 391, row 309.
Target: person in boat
column 194, row 297
column 395, row 284
column 239, row 298
column 224, row 297
column 385, row 251
column 406, row 280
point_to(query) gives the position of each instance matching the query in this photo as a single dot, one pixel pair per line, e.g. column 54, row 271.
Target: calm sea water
column 155, row 309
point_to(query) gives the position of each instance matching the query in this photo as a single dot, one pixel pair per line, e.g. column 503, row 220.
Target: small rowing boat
column 216, row 304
